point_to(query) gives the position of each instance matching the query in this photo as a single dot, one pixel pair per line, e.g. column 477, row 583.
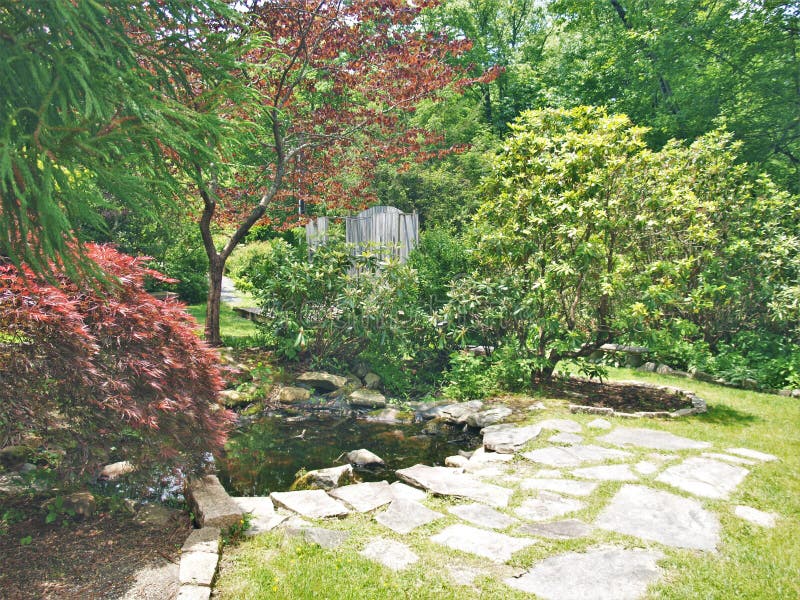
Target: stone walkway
column 658, row 487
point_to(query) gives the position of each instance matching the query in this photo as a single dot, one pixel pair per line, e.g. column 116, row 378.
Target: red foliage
column 105, row 373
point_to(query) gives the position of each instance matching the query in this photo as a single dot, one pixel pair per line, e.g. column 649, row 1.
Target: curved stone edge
column 699, row 405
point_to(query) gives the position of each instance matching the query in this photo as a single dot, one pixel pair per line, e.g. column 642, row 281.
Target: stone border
column 698, row 404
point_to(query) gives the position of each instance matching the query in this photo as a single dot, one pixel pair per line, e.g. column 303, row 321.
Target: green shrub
column 468, row 377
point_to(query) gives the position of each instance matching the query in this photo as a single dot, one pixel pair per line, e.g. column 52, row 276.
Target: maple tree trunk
column 216, row 268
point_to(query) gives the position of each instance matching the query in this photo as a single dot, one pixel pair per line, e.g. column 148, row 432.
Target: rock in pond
column 292, row 394
column 368, row 398
column 322, row 381
column 364, row 458
column 459, row 412
column 488, row 417
column 325, row 479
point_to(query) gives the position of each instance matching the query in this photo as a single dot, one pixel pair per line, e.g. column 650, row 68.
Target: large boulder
column 211, row 504
column 322, row 381
column 325, row 479
column 372, row 381
column 488, row 417
column 291, row 394
column 460, row 412
column 364, row 458
column 368, row 398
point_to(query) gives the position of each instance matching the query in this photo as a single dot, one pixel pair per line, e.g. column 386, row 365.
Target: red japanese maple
column 101, row 374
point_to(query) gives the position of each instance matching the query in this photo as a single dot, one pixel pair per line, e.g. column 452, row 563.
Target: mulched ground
column 89, row 559
column 622, row 397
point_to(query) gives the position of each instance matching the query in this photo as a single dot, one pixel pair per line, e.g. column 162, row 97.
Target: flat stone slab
column 405, row 492
column 322, row 381
column 563, row 425
column 211, row 504
column 483, row 516
column 603, row 573
column 403, row 516
column 198, row 568
column 661, row 517
column 459, row 412
column 365, row 497
column 729, row 458
column 507, row 439
column 262, row 510
column 447, row 482
column 651, row 438
column 314, row 504
column 568, row 529
column 488, row 417
column 562, row 486
column 754, row 454
column 202, row 540
column 565, row 438
column 646, row 467
column 574, row 456
column 193, row 592
column 606, row 473
column 497, row 547
column 755, row 516
column 599, row 424
column 546, row 506
column 325, row 538
column 704, row 477
column 395, row 555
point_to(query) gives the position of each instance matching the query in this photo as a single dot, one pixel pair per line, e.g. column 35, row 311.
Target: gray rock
column 325, row 538
column 565, row 438
column 661, row 517
column 291, row 394
column 573, row 456
column 262, row 513
column 651, row 438
column 314, row 504
column 704, row 477
column 233, row 398
column 487, row 463
column 755, row 516
column 157, row 515
column 539, row 405
column 13, row 457
column 606, row 473
column 365, row 497
column 648, row 367
column 497, row 547
column 546, row 506
column 206, row 539
column 701, row 375
column 406, row 492
column 563, row 425
column 590, row 410
column 563, row 486
column 367, row 398
column 446, row 482
column 198, row 568
column 568, row 529
column 82, row 504
column 211, row 504
column 457, row 461
column 482, row 515
column 507, row 439
column 326, row 479
column 754, row 454
column 116, row 470
column 193, row 592
column 599, row 424
column 390, row 415
column 603, row 573
column 364, row 458
column 372, row 381
column 395, row 555
column 322, row 381
column 488, row 417
column 459, row 413
column 403, row 516
column 664, row 369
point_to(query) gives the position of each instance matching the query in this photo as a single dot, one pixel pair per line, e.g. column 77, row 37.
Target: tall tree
column 334, row 82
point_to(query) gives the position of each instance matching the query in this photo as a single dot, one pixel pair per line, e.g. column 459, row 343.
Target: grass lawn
column 752, row 562
column 235, row 330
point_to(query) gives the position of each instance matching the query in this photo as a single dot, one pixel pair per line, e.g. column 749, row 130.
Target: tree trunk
column 216, row 268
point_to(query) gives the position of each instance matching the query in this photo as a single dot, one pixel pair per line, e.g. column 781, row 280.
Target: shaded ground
column 621, row 396
column 95, row 558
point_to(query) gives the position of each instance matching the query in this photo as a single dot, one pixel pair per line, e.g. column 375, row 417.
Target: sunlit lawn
column 235, row 330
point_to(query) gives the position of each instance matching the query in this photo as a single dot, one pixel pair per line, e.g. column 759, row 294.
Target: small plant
column 58, row 509
column 234, row 533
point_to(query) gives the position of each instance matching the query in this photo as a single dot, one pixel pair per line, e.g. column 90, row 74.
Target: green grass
column 752, row 562
column 235, row 330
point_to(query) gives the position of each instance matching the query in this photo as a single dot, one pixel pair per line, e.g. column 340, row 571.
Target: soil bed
column 620, row 396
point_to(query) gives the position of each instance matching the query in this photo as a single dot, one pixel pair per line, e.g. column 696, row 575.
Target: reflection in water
column 265, row 456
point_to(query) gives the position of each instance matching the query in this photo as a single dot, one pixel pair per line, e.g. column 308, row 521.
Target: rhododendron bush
column 99, row 373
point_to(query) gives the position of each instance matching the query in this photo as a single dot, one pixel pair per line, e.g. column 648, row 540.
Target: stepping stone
column 557, row 456
column 395, row 555
column 482, row 515
column 326, row 538
column 606, row 473
column 646, row 467
column 755, row 516
column 661, row 457
column 704, row 477
column 202, row 540
column 365, row 497
column 497, row 547
column 447, row 482
column 565, row 438
column 562, row 425
column 463, row 574
column 729, row 458
column 198, row 568
column 563, row 486
column 403, row 516
column 193, row 592
column 405, row 492
column 546, row 506
column 661, row 517
column 262, row 510
column 507, row 439
column 558, row 530
column 457, row 461
column 599, row 424
column 314, row 504
column 754, row 454
column 603, row 573
column 651, row 438
column 211, row 504
column 481, row 457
